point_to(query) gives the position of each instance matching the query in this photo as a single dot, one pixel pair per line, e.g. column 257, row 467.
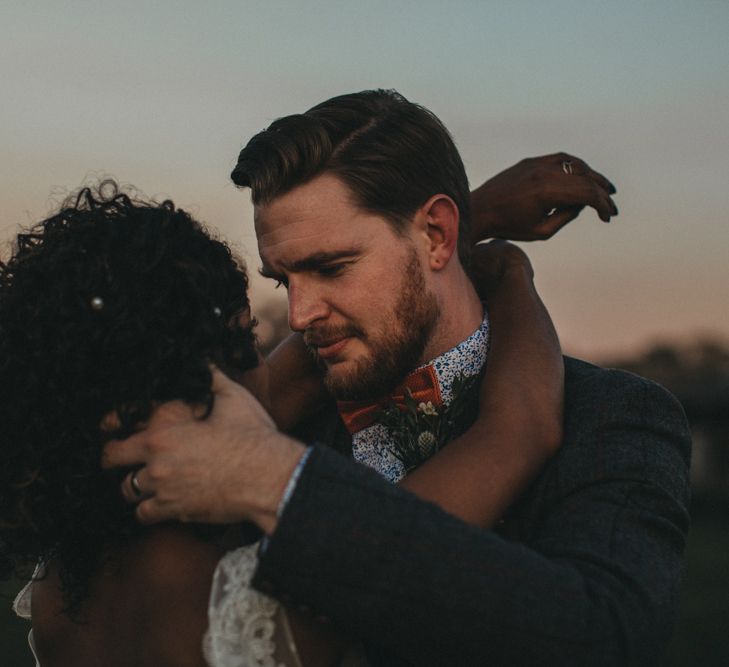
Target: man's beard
column 396, row 349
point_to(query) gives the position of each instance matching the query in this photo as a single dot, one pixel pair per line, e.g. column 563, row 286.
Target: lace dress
column 245, row 627
column 21, row 607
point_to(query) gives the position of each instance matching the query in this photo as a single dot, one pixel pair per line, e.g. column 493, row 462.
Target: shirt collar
column 465, row 359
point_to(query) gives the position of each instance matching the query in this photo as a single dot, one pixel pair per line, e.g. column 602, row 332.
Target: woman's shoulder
column 148, row 605
column 169, row 572
column 167, row 558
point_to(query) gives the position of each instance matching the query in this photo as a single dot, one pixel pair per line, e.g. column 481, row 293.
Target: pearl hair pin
column 97, row 303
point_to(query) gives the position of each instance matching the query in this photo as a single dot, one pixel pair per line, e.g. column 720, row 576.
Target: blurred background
column 163, row 95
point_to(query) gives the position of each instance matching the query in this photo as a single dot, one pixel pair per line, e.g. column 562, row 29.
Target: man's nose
column 305, row 306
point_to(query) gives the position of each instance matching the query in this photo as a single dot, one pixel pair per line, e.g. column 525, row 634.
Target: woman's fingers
column 583, row 185
column 558, row 219
column 602, row 181
column 576, row 191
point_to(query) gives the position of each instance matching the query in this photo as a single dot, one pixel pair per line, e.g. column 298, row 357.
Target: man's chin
column 356, row 380
column 341, row 378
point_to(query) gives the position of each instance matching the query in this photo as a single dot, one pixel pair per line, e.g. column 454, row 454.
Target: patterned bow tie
column 421, row 384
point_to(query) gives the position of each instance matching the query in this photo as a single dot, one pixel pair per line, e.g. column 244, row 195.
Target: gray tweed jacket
column 583, row 571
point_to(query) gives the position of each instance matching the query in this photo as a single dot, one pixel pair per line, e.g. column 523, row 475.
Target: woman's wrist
column 484, row 221
column 518, row 271
column 515, row 283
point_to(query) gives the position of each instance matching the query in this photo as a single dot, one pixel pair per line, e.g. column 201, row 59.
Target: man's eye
column 331, row 270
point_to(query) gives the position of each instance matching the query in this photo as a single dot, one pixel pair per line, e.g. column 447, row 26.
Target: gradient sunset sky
column 163, row 95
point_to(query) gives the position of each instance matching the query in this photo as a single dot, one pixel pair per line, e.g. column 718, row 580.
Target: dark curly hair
column 113, row 304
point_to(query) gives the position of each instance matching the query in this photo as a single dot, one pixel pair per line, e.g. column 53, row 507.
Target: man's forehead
column 295, row 238
column 276, row 225
column 316, row 222
column 296, row 234
column 322, row 204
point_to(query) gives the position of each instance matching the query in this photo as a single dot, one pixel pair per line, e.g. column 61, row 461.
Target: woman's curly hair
column 113, row 304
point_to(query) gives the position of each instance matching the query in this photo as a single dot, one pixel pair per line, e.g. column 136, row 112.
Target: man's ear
column 437, row 220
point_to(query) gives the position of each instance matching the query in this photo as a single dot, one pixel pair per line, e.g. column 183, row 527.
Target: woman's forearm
column 478, row 475
column 295, row 382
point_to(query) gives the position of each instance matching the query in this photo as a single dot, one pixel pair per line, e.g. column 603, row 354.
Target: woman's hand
column 490, row 263
column 538, row 196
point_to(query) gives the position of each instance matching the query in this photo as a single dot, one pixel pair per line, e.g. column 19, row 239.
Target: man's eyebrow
column 318, row 259
column 311, row 262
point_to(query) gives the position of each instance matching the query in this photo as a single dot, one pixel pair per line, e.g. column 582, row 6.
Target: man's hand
column 538, row 196
column 232, row 466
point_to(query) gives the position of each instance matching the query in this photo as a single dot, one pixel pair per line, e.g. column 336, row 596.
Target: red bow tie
column 422, row 384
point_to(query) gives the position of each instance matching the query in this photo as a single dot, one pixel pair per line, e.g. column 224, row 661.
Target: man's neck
column 461, row 313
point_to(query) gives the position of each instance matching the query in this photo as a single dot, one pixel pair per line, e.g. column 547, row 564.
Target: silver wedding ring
column 135, row 485
column 567, row 166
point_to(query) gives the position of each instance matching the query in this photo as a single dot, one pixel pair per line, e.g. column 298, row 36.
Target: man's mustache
column 323, row 336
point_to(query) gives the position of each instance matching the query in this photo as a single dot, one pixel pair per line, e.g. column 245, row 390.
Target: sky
column 163, row 96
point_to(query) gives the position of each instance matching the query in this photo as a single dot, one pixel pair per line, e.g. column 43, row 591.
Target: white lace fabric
column 21, row 606
column 245, row 627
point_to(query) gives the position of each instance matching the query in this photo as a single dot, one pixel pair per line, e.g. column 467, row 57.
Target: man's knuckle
column 164, row 496
column 162, row 443
column 167, row 413
column 157, row 442
column 147, row 446
column 165, row 409
column 157, row 472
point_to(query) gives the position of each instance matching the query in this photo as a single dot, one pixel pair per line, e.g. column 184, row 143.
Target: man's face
column 357, row 290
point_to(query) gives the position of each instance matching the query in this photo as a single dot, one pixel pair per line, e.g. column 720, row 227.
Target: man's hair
column 111, row 305
column 391, row 153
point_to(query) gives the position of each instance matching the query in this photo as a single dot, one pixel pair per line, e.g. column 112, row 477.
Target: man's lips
column 329, row 349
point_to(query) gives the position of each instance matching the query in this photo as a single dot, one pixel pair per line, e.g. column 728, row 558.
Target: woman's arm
column 294, row 382
column 519, row 426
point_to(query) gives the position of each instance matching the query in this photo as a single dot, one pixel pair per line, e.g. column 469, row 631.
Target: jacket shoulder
column 588, row 386
column 614, row 418
column 586, row 377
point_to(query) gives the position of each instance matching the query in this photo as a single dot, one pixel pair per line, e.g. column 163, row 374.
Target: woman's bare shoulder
column 172, row 573
column 148, row 605
column 169, row 557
